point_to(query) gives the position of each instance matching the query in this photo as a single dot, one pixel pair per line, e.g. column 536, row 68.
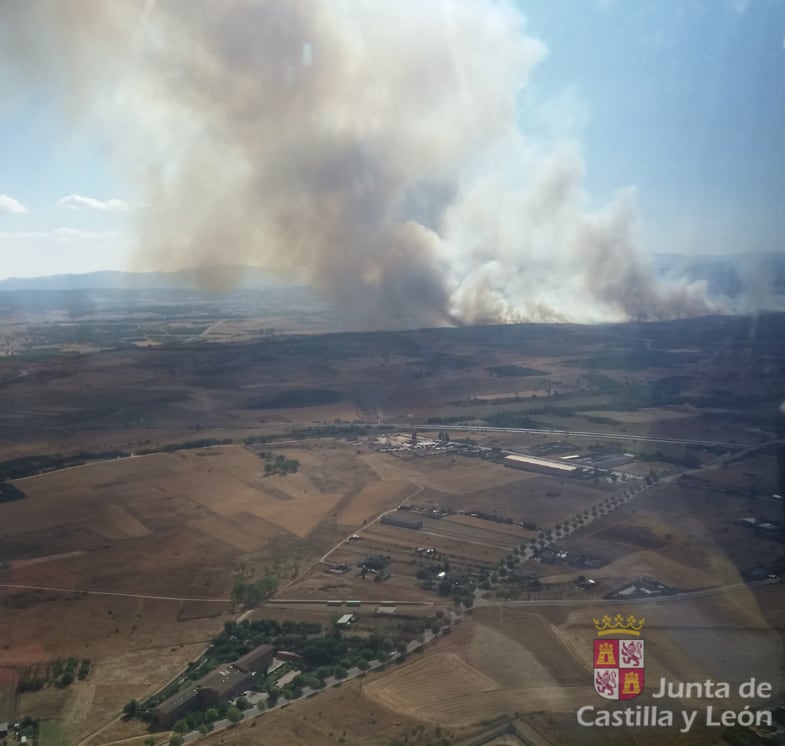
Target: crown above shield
column 619, row 625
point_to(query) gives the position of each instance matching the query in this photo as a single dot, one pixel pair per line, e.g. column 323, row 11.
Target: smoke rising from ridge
column 371, row 148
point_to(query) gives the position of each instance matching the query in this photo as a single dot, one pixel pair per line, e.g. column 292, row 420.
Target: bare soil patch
column 371, row 500
column 217, row 528
column 539, row 639
column 113, row 522
column 408, row 539
column 516, row 532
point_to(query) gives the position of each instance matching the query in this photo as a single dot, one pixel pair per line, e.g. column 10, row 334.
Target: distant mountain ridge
column 221, row 279
column 730, row 275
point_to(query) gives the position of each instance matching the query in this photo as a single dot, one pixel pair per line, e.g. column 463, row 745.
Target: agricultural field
column 146, row 548
column 130, row 558
column 480, row 673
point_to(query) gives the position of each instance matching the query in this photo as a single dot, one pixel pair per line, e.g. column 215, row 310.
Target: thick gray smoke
column 370, row 147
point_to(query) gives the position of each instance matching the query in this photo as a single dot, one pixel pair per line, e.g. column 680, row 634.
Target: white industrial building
column 542, row 465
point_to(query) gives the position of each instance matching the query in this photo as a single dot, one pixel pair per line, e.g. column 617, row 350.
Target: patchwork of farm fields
column 131, row 562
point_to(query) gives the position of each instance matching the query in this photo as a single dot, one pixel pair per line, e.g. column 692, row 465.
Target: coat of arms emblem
column 618, row 663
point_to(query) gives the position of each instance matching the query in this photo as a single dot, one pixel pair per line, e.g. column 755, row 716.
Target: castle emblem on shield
column 618, row 663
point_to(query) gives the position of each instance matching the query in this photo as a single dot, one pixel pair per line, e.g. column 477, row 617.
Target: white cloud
column 9, row 204
column 740, row 6
column 73, row 234
column 59, row 234
column 77, row 202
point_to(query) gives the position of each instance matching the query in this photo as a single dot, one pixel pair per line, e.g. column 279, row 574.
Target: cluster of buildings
column 221, row 684
column 14, row 728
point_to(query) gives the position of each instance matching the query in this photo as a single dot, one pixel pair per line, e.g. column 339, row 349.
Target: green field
column 51, row 733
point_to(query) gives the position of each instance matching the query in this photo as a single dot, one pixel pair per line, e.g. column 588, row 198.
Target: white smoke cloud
column 11, row 205
column 77, row 201
column 370, row 147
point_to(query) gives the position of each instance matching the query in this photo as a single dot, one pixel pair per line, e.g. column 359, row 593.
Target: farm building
column 168, row 712
column 257, row 660
column 220, row 684
column 217, row 686
column 346, row 620
column 289, row 657
column 402, row 521
column 542, row 466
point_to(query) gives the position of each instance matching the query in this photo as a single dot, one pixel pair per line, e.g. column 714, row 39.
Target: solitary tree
column 273, row 695
column 234, row 715
column 131, row 708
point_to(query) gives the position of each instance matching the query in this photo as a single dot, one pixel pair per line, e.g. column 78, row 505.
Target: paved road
column 409, row 426
column 17, row 586
column 571, row 433
column 322, row 603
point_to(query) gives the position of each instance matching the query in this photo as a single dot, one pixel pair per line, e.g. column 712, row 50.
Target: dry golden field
column 157, row 533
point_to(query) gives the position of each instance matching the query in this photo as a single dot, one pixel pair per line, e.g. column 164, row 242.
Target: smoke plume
column 371, row 148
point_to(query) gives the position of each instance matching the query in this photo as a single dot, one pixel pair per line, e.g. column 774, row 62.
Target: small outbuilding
column 346, row 620
column 402, row 521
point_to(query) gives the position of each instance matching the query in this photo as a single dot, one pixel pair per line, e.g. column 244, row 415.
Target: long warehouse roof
column 534, row 461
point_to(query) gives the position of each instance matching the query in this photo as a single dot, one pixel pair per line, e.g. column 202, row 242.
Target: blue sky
column 682, row 99
column 685, row 101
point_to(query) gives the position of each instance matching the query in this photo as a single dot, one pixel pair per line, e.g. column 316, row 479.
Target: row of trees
column 204, row 720
column 26, row 466
column 252, row 593
column 57, row 673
